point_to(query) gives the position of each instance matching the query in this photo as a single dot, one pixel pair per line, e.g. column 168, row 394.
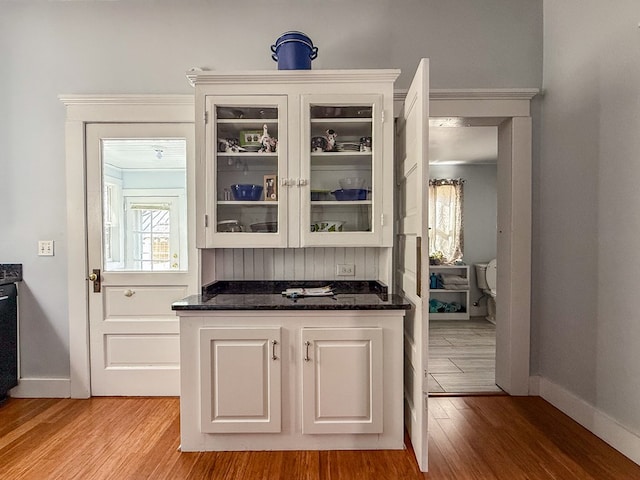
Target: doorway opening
column 462, row 327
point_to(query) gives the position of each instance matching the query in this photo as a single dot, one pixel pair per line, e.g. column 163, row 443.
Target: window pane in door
column 144, row 204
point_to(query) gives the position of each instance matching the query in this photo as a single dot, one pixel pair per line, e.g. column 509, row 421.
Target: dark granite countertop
column 10, row 273
column 259, row 295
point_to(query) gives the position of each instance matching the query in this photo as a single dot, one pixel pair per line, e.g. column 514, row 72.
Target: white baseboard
column 594, row 420
column 534, row 386
column 42, row 388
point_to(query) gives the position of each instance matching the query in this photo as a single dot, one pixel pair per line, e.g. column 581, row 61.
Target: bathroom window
column 445, row 220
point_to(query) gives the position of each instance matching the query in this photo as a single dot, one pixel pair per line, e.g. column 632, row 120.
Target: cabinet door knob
column 129, row 293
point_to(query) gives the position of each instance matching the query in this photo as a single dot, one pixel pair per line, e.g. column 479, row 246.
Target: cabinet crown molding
column 293, row 76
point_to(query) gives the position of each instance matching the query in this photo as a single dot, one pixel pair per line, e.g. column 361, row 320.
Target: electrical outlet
column 345, row 270
column 45, row 248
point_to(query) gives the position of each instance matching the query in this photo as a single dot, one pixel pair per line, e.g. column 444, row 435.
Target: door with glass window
column 142, row 254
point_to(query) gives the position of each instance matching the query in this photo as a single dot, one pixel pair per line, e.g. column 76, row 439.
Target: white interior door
column 141, row 253
column 412, row 177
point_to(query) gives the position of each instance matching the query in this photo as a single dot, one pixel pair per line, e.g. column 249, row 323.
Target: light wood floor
column 471, row 438
column 462, row 356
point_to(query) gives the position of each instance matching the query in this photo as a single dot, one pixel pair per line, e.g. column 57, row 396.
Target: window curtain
column 446, row 242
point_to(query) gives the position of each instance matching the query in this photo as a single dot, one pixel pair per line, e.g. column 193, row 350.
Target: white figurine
column 331, row 140
column 269, row 144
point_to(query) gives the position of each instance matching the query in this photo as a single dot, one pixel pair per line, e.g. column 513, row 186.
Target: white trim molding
column 80, row 111
column 263, row 77
column 509, row 110
column 525, row 94
column 593, row 419
column 42, row 388
column 476, row 102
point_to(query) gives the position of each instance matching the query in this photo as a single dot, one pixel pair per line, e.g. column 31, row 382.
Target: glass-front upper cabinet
column 342, row 143
column 294, row 159
column 247, row 143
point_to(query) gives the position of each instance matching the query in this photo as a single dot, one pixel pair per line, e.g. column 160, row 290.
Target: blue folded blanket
column 436, row 306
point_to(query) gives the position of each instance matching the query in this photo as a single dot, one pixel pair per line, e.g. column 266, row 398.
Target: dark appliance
column 8, row 339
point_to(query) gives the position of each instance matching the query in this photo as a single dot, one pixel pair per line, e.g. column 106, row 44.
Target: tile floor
column 462, row 356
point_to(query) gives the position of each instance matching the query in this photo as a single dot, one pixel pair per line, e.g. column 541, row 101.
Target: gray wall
column 49, row 48
column 480, row 212
column 585, row 309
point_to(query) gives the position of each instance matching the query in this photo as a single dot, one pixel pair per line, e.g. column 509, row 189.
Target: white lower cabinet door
column 240, row 380
column 342, row 384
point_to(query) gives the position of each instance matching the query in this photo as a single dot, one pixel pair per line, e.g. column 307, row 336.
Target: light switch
column 45, row 248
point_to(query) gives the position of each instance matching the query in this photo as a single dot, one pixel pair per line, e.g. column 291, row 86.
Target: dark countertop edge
column 307, row 307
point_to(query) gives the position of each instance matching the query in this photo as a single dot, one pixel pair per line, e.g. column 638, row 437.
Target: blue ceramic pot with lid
column 294, row 51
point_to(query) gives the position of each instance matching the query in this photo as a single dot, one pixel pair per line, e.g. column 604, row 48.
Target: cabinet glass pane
column 246, row 168
column 341, row 146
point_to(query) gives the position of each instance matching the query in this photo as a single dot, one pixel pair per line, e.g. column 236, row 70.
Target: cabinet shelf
column 447, row 295
column 247, row 121
column 341, row 203
column 340, row 154
column 361, row 162
column 248, row 154
column 339, row 120
column 248, row 203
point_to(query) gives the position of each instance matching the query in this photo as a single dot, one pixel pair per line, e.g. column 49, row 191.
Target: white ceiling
column 143, row 154
column 453, row 144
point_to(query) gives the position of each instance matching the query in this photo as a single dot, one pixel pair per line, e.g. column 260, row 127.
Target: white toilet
column 486, row 279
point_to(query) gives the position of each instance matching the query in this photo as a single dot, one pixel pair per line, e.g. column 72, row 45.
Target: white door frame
column 81, row 110
column 510, row 111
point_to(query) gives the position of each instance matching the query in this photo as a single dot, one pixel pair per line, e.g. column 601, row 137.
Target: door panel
column 240, row 380
column 142, row 350
column 412, row 269
column 342, row 380
column 141, row 301
column 140, row 236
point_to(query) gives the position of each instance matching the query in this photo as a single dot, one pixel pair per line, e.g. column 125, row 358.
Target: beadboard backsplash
column 288, row 263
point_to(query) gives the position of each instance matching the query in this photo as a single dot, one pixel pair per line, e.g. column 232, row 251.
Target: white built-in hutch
column 294, row 379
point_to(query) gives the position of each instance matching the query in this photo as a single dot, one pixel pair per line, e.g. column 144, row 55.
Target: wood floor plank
column 470, row 438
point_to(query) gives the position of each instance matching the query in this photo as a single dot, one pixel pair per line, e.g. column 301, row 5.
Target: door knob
column 94, row 277
column 129, row 293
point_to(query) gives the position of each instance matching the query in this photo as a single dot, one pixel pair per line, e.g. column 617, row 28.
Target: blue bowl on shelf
column 350, row 194
column 246, row 192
